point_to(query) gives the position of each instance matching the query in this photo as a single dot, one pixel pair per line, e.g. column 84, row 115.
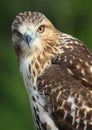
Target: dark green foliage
column 70, row 16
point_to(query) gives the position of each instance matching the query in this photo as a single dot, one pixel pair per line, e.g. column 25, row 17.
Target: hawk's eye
column 18, row 34
column 41, row 29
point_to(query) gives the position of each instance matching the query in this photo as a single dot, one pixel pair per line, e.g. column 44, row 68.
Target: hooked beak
column 27, row 38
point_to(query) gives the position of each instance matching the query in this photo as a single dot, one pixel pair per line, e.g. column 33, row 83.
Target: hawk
column 57, row 73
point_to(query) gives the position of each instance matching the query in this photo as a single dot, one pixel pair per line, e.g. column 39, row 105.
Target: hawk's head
column 33, row 32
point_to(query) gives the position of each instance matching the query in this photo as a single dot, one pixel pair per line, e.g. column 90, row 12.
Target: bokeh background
column 70, row 16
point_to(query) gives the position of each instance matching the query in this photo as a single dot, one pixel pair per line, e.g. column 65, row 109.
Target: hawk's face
column 31, row 32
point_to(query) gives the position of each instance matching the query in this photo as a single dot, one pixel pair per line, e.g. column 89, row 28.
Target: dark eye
column 41, row 29
column 18, row 34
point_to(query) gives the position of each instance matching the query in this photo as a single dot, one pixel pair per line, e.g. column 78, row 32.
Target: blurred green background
column 71, row 16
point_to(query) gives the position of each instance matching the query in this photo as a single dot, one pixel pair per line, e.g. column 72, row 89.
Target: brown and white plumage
column 57, row 72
